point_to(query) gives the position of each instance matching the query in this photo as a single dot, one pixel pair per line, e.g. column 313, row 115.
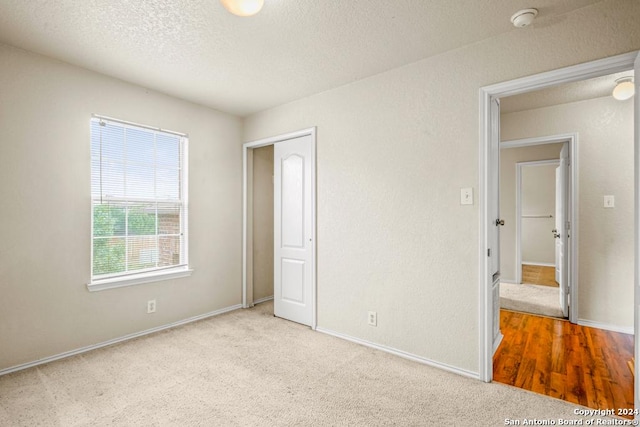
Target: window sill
column 136, row 279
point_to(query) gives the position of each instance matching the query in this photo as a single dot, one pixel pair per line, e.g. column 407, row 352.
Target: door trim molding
column 246, row 269
column 584, row 71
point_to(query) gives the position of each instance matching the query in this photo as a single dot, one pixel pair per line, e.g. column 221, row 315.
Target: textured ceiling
column 570, row 92
column 195, row 50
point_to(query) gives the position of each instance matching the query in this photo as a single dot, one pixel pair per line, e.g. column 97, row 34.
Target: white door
column 561, row 232
column 495, row 222
column 293, row 229
column 558, row 222
column 636, row 213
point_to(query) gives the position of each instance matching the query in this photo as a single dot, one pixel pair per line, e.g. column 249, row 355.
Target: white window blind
column 138, row 197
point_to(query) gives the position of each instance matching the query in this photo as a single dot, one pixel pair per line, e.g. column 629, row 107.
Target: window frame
column 132, row 277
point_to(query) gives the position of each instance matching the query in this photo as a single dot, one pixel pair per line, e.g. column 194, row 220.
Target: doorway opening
column 260, row 224
column 490, row 268
column 537, row 262
column 278, row 225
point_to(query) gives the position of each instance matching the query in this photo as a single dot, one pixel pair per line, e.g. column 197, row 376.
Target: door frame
column 572, row 140
column 518, row 86
column 247, row 268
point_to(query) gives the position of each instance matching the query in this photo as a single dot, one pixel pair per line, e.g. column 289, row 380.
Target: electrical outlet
column 151, row 306
column 372, row 318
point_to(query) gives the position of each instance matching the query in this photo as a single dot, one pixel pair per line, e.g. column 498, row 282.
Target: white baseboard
column 539, row 264
column 606, row 326
column 265, row 299
column 510, row 281
column 401, row 353
column 116, row 340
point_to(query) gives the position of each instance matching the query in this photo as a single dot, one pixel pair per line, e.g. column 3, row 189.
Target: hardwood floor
column 539, row 275
column 574, row 363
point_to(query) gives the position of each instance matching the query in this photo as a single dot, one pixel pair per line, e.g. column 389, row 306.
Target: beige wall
column 605, row 154
column 538, row 199
column 393, row 152
column 263, row 222
column 509, row 158
column 45, row 307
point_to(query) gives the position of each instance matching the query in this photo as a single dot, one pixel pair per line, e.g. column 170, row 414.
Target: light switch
column 609, row 202
column 466, row 196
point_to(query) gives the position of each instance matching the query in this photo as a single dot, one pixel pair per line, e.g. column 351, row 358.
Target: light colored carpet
column 247, row 368
column 534, row 299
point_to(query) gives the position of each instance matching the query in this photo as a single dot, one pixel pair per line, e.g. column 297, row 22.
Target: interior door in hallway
column 495, row 222
column 293, row 229
column 561, row 232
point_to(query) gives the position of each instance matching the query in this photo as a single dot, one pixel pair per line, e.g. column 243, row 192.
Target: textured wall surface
column 263, row 222
column 45, row 308
column 508, row 159
column 605, row 242
column 393, row 152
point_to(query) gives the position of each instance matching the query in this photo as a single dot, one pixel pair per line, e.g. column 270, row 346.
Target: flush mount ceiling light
column 243, row 7
column 624, row 88
column 523, row 17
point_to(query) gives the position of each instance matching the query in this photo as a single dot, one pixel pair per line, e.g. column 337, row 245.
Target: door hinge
column 489, row 252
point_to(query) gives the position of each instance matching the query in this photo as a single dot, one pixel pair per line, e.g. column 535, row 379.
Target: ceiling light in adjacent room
column 243, row 7
column 523, row 17
column 624, row 88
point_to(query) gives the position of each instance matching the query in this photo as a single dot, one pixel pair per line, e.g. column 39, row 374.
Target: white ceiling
column 570, row 92
column 195, row 50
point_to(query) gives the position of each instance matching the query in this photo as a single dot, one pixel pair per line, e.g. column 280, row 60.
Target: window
column 138, row 201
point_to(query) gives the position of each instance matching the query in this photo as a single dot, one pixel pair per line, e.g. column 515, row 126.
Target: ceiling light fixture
column 624, row 88
column 243, row 7
column 523, row 17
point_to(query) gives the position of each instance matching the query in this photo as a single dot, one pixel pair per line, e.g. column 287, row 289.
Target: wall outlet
column 372, row 318
column 151, row 306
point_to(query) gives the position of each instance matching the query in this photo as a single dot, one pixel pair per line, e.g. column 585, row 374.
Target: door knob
column 499, row 222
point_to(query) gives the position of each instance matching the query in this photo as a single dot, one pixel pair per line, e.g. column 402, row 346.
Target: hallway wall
column 605, row 152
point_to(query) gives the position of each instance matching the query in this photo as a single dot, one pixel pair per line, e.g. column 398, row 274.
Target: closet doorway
column 279, row 250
